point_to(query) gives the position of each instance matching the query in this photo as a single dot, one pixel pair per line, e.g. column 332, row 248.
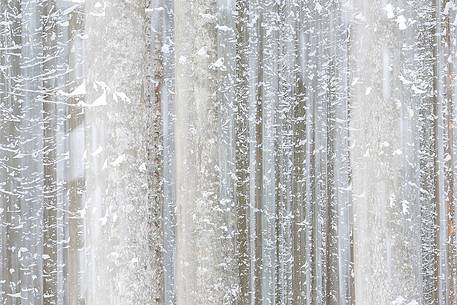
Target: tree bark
column 122, row 237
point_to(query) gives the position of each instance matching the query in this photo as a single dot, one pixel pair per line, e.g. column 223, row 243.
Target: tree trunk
column 387, row 233
column 200, row 259
column 122, row 241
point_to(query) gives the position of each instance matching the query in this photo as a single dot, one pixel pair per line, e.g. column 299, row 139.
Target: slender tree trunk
column 10, row 170
column 28, row 247
column 50, row 164
column 242, row 148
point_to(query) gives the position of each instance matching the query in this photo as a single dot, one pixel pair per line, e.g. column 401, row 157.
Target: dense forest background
column 228, row 152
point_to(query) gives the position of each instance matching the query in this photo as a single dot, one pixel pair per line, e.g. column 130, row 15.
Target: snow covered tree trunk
column 122, row 238
column 152, row 97
column 202, row 274
column 373, row 167
column 444, row 90
column 53, row 146
column 387, row 244
column 241, row 129
column 162, row 49
column 72, row 29
column 9, row 118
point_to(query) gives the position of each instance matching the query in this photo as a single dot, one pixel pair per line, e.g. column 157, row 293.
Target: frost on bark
column 392, row 120
column 200, row 213
column 122, row 192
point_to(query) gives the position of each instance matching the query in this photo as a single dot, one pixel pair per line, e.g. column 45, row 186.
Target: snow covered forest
column 246, row 152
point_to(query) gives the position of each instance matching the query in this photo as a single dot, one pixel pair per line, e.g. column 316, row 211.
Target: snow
column 227, row 152
column 402, row 22
column 389, row 11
